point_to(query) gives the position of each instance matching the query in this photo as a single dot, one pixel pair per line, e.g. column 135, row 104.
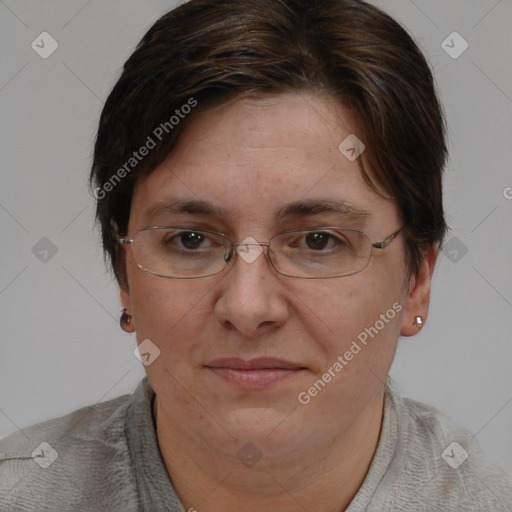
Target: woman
column 268, row 177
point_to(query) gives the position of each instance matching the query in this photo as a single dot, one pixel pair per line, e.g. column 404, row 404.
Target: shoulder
column 442, row 466
column 68, row 463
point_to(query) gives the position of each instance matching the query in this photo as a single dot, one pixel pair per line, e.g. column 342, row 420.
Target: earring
column 125, row 318
column 418, row 322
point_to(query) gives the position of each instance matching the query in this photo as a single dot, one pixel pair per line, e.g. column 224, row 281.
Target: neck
column 321, row 475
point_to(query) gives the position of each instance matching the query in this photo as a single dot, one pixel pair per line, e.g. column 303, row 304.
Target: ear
column 418, row 298
column 126, row 303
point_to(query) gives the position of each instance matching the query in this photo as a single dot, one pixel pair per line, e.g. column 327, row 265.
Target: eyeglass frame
column 374, row 245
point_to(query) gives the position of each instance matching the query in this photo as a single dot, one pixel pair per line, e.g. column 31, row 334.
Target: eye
column 189, row 240
column 318, row 240
column 321, row 241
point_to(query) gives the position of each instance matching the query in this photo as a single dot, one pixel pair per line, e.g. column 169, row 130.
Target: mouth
column 255, row 373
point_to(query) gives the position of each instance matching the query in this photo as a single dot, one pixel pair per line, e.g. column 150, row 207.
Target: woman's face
column 251, row 159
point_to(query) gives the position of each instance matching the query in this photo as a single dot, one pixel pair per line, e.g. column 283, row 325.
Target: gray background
column 61, row 345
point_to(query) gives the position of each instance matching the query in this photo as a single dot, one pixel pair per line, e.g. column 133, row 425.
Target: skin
column 252, row 156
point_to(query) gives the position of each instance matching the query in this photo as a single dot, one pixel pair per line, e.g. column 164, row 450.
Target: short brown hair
column 207, row 50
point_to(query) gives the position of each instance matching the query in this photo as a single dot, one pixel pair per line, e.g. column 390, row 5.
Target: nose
column 252, row 297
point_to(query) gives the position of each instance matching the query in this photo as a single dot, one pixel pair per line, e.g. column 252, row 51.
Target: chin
column 256, row 424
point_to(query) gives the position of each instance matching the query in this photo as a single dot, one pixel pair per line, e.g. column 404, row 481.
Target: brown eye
column 317, row 240
column 191, row 240
column 186, row 240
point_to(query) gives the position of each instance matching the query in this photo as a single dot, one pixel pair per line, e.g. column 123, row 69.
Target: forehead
column 302, row 123
column 254, row 157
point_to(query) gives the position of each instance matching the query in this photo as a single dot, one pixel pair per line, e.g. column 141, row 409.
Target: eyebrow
column 302, row 208
column 317, row 206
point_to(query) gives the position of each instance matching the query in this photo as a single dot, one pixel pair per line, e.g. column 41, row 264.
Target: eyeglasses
column 177, row 252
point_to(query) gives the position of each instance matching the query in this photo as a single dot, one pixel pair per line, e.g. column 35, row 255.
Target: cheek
column 165, row 309
column 359, row 350
column 173, row 316
column 356, row 325
column 343, row 308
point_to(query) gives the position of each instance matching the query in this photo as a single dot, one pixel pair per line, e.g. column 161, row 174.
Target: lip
column 254, row 373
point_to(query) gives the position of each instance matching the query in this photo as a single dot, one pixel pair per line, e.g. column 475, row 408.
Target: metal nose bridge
column 251, row 243
column 228, row 256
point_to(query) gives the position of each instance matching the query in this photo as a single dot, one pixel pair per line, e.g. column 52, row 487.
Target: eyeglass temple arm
column 388, row 240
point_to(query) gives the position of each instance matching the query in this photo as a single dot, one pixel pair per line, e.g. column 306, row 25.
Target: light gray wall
column 61, row 345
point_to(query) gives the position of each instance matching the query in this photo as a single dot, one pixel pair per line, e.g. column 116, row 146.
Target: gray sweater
column 106, row 458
